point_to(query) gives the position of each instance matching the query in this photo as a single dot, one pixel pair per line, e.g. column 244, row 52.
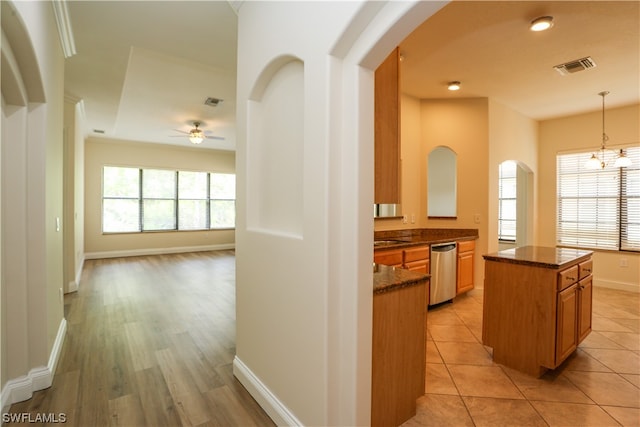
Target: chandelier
column 601, row 158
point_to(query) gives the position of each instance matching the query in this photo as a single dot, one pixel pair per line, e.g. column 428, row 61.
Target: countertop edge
column 389, row 279
column 496, row 257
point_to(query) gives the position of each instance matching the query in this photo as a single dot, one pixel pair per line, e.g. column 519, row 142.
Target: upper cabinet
column 387, row 130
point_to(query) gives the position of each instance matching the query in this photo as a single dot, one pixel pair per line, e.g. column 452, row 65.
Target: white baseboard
column 157, row 251
column 276, row 410
column 622, row 286
column 38, row 378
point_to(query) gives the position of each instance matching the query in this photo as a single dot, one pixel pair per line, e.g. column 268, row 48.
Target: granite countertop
column 540, row 256
column 395, row 239
column 386, row 278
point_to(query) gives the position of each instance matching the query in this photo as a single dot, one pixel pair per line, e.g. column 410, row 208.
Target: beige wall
column 578, row 133
column 101, row 152
column 484, row 133
column 513, row 136
column 463, row 126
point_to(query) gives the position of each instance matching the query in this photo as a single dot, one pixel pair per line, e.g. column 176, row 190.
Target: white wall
column 73, row 193
column 32, row 311
column 304, row 293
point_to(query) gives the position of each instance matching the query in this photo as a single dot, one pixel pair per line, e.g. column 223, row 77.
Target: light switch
column 57, row 223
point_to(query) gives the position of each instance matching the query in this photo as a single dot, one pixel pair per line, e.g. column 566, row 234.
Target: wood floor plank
column 156, row 400
column 126, row 411
column 150, row 342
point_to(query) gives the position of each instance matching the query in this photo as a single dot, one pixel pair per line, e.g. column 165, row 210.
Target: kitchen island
column 400, row 299
column 537, row 305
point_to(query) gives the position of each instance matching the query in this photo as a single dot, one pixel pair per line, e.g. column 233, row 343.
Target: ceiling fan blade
column 181, row 131
column 220, row 138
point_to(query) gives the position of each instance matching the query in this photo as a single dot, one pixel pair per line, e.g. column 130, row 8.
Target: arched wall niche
column 275, row 149
column 442, row 183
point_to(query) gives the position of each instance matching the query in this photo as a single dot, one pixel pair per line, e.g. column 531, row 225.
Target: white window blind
column 630, row 203
column 598, row 208
column 507, row 201
column 138, row 200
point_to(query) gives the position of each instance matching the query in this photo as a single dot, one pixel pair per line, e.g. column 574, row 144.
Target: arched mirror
column 515, row 204
column 442, row 180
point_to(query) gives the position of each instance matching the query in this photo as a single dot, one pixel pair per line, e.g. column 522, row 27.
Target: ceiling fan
column 197, row 135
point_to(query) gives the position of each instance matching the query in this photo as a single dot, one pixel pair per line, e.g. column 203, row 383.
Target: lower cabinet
column 392, row 258
column 417, row 259
column 535, row 316
column 398, row 354
column 466, row 250
column 573, row 315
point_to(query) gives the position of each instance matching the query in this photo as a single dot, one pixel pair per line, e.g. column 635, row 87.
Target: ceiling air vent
column 212, row 102
column 575, row 66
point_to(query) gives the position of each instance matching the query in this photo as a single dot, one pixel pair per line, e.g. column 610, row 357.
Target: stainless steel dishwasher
column 443, row 273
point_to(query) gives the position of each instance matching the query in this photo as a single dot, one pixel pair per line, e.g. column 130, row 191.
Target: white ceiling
column 145, row 68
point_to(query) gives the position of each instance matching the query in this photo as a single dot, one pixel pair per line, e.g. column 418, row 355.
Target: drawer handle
column 588, row 270
column 570, row 278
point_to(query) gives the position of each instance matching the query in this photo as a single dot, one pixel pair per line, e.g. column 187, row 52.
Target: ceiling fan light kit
column 196, row 136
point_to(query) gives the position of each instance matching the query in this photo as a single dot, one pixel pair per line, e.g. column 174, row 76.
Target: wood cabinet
column 536, row 313
column 574, row 309
column 398, row 354
column 387, row 130
column 417, row 259
column 414, row 258
column 390, row 257
column 466, row 251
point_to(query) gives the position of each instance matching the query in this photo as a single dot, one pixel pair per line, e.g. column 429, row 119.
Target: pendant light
column 601, row 158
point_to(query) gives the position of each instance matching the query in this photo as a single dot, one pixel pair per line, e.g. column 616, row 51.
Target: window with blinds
column 598, row 209
column 507, row 201
column 138, row 200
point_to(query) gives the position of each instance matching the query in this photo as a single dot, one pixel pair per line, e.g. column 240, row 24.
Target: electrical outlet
column 624, row 262
column 413, row 218
column 476, row 218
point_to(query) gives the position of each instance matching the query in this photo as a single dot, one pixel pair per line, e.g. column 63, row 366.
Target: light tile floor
column 599, row 385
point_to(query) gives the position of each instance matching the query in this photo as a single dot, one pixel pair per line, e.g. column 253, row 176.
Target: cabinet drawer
column 466, row 245
column 567, row 277
column 416, row 254
column 585, row 269
column 392, row 258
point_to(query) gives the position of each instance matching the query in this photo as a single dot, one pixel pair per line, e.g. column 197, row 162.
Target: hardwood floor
column 150, row 342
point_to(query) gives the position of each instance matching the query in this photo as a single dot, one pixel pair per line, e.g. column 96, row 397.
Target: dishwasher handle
column 443, row 248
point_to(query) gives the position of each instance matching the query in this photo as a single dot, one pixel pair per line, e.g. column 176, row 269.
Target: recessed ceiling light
column 542, row 23
column 453, row 85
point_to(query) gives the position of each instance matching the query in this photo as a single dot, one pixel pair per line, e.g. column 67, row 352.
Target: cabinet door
column 566, row 323
column 392, row 258
column 465, row 272
column 418, row 266
column 585, row 295
column 387, row 130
